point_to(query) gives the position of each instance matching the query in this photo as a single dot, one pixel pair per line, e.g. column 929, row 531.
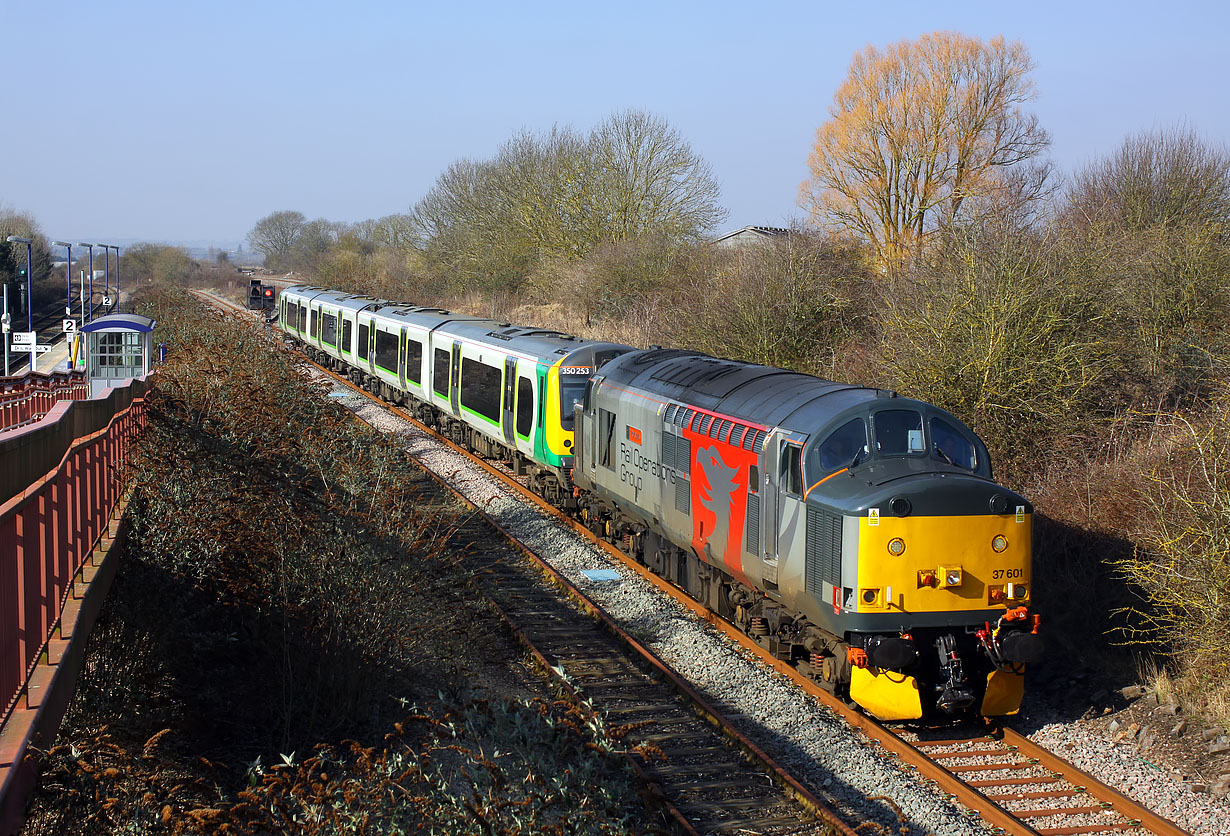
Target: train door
column 781, row 497
column 454, row 396
column 401, row 359
column 510, row 388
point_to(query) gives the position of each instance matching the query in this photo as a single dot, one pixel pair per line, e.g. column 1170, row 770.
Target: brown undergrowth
column 288, row 647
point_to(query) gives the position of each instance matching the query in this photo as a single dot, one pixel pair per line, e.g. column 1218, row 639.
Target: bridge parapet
column 61, row 478
column 28, row 398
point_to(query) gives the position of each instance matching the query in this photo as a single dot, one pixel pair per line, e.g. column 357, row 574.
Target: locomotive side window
column 414, row 360
column 899, row 433
column 363, row 338
column 386, row 351
column 525, row 407
column 792, row 469
column 606, row 435
column 840, row 448
column 440, row 374
column 948, row 444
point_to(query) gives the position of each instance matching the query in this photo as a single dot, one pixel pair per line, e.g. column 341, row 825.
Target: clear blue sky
column 188, row 120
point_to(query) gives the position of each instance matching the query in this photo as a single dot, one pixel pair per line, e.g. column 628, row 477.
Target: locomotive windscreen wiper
column 938, row 449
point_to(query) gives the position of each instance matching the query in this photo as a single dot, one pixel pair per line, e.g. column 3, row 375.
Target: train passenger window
column 347, row 325
column 949, row 444
column 302, row 318
column 525, row 407
column 842, row 445
column 899, row 433
column 328, row 329
column 312, row 331
column 363, row 339
column 792, row 469
column 439, row 374
column 480, row 388
column 414, row 361
column 386, row 351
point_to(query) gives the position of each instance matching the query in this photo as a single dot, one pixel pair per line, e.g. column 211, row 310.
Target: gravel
column 1084, row 744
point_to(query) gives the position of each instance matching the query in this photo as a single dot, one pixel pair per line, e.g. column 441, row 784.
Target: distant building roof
column 750, row 233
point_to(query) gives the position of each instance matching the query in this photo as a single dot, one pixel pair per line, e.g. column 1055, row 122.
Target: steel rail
column 789, row 784
column 969, row 793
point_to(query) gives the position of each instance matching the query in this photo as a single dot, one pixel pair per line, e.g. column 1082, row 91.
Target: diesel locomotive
column 855, row 533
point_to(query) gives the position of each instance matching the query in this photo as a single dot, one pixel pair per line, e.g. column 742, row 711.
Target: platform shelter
column 118, row 347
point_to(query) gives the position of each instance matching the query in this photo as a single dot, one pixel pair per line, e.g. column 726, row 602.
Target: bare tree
column 276, row 234
column 917, row 129
column 649, row 180
column 561, row 194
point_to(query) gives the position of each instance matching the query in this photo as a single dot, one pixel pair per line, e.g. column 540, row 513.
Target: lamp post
column 17, row 239
column 107, row 248
column 68, row 275
column 90, row 306
column 117, row 272
column 106, row 274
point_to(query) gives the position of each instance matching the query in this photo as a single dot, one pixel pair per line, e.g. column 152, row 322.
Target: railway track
column 1014, row 785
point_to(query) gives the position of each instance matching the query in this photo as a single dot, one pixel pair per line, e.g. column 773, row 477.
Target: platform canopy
column 112, row 323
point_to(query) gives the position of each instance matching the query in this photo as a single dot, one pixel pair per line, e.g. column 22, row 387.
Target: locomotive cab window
column 949, row 444
column 571, row 393
column 792, row 469
column 842, row 445
column 899, row 432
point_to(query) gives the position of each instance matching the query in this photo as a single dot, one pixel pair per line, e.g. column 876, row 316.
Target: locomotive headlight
column 999, row 543
column 951, row 576
column 896, row 547
column 1016, row 590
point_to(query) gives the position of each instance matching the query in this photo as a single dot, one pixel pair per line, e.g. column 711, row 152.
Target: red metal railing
column 28, row 398
column 72, row 463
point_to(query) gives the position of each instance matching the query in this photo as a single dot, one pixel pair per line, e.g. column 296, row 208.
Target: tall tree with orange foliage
column 918, row 128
